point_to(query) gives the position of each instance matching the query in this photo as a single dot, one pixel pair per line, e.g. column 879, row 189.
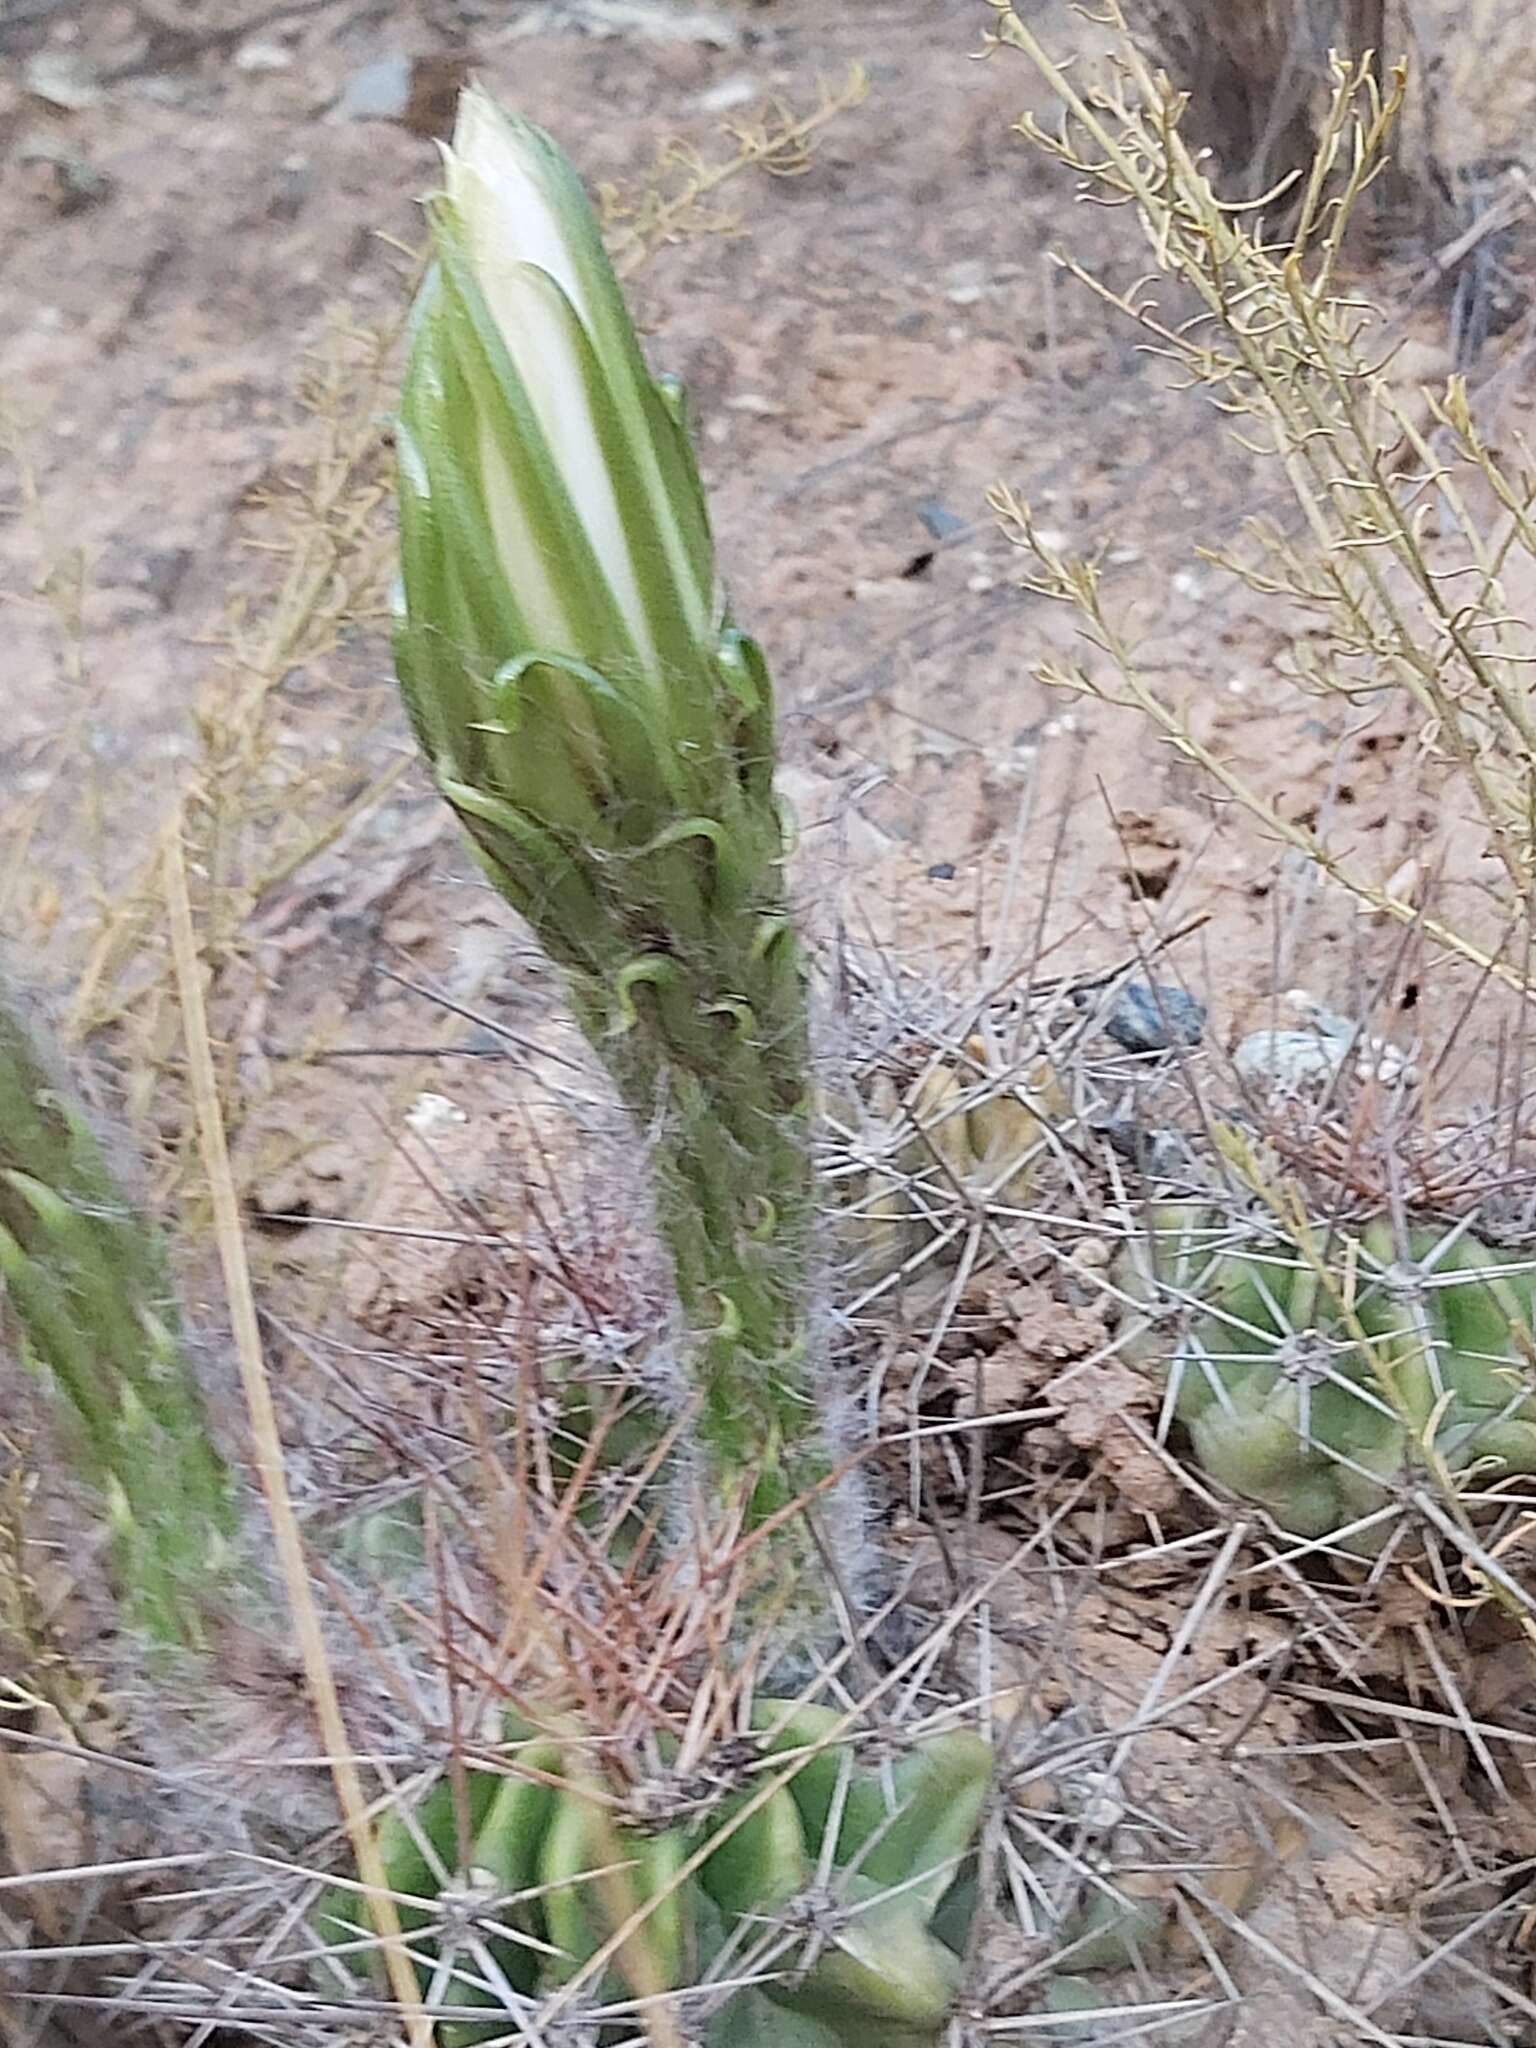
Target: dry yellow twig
column 268, row 1448
column 668, row 211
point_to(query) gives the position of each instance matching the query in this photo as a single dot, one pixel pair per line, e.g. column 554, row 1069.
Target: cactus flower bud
column 605, row 734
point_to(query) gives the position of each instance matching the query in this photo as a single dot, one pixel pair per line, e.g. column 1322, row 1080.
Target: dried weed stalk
column 678, row 201
column 1409, row 529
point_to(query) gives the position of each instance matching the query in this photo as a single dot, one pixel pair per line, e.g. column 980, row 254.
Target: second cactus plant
column 912, row 1170
column 1315, row 1374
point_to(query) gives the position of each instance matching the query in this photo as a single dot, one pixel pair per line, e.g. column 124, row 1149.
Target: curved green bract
column 1316, row 1376
column 551, row 1873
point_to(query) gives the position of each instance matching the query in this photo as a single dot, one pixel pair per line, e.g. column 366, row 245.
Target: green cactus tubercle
column 554, row 1874
column 1312, row 1376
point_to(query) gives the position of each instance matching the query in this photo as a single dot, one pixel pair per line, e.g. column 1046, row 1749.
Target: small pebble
column 1091, row 1252
column 1160, row 1155
column 940, row 522
column 431, row 1112
column 1150, row 1017
column 379, row 91
column 737, row 91
column 1288, row 1060
column 63, row 78
column 257, row 55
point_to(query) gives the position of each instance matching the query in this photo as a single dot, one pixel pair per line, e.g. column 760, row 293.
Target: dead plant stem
column 268, row 1447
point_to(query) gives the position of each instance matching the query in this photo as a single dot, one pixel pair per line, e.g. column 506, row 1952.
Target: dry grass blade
column 268, row 1446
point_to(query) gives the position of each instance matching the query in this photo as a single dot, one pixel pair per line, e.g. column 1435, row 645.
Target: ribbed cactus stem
column 1315, row 1374
column 877, row 1850
column 734, row 1206
column 89, row 1293
column 687, row 978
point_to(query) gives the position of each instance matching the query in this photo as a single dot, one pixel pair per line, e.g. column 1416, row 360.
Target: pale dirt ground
column 881, row 338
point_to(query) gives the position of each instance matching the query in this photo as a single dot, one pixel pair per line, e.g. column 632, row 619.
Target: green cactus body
column 761, row 1863
column 1313, row 1377
column 88, row 1284
column 606, row 737
column 550, row 1860
column 883, row 1967
column 507, row 1819
column 1111, row 1930
column 596, row 1875
column 926, row 1804
column 621, row 1494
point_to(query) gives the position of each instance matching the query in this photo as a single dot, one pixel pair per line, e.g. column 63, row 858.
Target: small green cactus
column 540, row 1870
column 1313, row 1375
column 960, row 1135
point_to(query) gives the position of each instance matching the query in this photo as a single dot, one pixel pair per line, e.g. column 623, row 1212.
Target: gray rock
column 1150, row 1016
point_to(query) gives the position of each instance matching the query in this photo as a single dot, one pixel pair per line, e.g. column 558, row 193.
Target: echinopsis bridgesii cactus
column 537, row 1868
column 1315, row 1375
column 606, row 736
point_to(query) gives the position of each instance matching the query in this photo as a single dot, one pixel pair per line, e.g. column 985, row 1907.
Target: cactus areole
column 605, row 735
